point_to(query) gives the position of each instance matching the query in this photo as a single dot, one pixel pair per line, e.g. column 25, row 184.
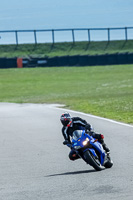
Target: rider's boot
column 106, row 148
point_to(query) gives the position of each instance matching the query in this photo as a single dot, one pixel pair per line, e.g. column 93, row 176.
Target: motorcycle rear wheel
column 109, row 163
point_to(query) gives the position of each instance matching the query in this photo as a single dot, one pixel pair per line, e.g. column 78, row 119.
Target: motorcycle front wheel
column 93, row 161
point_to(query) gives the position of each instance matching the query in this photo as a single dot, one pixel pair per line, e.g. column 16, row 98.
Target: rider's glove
column 89, row 127
column 66, row 142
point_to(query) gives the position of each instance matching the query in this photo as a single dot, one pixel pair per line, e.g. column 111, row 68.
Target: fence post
column 35, row 36
column 73, row 35
column 16, row 34
column 53, row 36
column 126, row 34
column 89, row 36
column 108, row 34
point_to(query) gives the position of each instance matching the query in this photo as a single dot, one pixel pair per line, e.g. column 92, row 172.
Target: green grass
column 66, row 48
column 105, row 91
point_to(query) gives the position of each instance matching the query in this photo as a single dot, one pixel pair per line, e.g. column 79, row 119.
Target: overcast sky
column 45, row 14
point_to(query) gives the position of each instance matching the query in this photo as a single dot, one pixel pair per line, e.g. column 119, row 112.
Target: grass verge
column 105, row 91
column 66, row 48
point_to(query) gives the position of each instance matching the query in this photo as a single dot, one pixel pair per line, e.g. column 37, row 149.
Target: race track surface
column 34, row 163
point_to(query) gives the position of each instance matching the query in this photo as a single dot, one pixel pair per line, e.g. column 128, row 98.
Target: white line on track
column 58, row 106
column 61, row 107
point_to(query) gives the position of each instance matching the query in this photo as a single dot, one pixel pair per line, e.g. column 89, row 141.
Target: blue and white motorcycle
column 90, row 150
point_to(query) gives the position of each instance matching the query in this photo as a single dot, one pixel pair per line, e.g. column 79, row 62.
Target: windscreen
column 77, row 134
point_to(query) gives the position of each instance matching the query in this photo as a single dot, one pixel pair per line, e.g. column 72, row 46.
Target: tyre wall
column 77, row 60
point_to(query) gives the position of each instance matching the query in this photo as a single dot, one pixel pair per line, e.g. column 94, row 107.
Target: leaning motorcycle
column 90, row 150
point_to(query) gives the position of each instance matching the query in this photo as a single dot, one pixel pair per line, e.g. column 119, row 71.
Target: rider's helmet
column 66, row 119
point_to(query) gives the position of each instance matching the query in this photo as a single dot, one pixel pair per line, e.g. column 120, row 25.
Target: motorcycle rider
column 70, row 124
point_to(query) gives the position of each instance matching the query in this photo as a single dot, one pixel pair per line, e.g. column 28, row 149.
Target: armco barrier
column 92, row 60
column 102, row 59
column 34, row 62
column 86, row 60
column 122, row 58
column 11, row 63
column 53, row 61
column 2, row 62
column 63, row 61
column 8, row 62
column 42, row 62
column 130, row 58
column 83, row 60
column 73, row 60
column 25, row 62
column 112, row 59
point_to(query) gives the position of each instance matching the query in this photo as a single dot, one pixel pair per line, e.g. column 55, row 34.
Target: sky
column 54, row 14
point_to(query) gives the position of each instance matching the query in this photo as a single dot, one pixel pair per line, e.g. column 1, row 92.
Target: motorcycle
column 90, row 150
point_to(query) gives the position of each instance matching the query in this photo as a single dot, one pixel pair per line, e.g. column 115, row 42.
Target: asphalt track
column 34, row 163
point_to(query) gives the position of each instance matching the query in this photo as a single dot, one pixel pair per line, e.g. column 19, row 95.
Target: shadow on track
column 73, row 173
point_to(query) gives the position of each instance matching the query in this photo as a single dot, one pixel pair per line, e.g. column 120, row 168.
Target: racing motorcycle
column 90, row 150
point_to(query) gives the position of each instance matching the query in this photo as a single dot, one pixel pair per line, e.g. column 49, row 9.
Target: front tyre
column 93, row 161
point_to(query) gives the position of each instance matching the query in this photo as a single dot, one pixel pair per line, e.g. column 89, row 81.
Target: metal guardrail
column 89, row 30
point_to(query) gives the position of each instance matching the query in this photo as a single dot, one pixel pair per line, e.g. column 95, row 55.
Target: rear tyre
column 109, row 163
column 93, row 161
